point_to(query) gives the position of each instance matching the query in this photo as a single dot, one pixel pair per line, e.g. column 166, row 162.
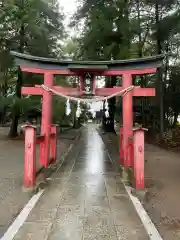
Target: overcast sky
column 68, row 5
column 69, row 8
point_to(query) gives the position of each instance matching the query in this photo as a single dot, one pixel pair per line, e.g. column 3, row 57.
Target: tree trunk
column 166, row 68
column 140, row 53
column 159, row 81
column 176, row 114
column 4, row 90
column 74, row 121
column 16, row 111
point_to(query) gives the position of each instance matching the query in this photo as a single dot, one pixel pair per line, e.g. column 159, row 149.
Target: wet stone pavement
column 85, row 200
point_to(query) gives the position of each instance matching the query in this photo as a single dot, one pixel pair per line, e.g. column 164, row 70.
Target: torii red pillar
column 127, row 118
column 46, row 120
column 127, row 105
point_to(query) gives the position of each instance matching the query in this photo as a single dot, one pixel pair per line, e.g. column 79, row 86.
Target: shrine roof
column 30, row 61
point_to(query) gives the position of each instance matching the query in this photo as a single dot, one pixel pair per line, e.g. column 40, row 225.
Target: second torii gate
column 50, row 67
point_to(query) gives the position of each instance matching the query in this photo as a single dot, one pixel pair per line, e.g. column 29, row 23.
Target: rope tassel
column 106, row 113
column 107, row 109
column 87, row 101
column 68, row 107
column 78, row 111
column 93, row 113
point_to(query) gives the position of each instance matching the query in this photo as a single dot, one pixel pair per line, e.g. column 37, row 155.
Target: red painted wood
column 30, row 157
column 39, row 139
column 143, row 92
column 136, row 92
column 46, row 120
column 51, row 71
column 99, row 73
column 53, row 143
column 139, row 159
column 130, row 72
column 121, row 147
column 127, row 118
column 37, row 90
column 131, row 152
column 67, row 91
column 106, row 91
column 31, row 91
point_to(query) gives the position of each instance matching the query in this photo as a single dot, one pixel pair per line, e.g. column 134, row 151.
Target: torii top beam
column 33, row 64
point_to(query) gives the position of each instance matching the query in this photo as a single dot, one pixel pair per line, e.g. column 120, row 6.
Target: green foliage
column 30, row 26
column 105, row 29
column 129, row 29
column 117, row 29
column 71, row 48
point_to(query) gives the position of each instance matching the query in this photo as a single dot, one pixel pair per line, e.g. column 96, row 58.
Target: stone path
column 85, row 200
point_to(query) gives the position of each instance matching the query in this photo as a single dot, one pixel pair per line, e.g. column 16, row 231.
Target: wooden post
column 30, row 156
column 139, row 158
column 53, row 144
column 121, row 147
column 46, row 120
column 127, row 118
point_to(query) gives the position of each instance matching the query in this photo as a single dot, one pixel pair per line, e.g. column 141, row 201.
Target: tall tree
column 27, row 26
column 106, row 36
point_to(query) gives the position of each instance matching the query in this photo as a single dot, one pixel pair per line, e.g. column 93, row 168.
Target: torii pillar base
column 140, row 194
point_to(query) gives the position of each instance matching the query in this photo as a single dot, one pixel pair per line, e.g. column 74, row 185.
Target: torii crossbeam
column 50, row 67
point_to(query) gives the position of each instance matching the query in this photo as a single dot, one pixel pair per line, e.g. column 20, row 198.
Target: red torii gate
column 50, row 67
